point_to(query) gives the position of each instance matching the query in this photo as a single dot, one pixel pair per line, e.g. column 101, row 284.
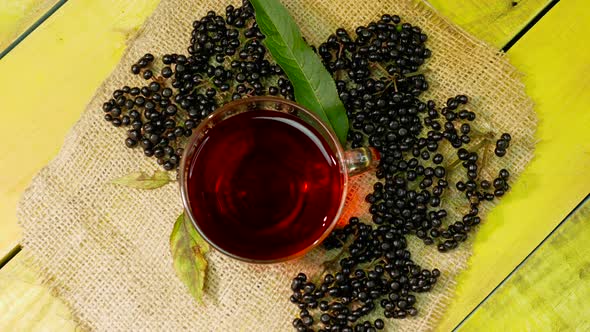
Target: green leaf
column 188, row 254
column 313, row 86
column 140, row 180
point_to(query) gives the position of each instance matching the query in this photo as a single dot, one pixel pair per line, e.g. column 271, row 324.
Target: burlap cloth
column 105, row 249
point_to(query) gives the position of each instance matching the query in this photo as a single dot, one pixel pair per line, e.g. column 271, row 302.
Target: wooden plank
column 550, row 291
column 554, row 64
column 496, row 22
column 44, row 92
column 17, row 16
column 26, row 305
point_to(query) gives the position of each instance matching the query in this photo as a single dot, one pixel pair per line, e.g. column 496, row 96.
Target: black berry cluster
column 379, row 79
column 226, row 61
column 502, row 144
column 378, row 272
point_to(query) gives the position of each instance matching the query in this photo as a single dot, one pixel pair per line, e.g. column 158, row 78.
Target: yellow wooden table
column 531, row 264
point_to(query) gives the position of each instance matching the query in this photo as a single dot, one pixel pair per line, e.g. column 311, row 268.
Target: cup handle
column 360, row 160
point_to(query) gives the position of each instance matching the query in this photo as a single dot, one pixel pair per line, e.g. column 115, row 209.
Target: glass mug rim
column 221, row 113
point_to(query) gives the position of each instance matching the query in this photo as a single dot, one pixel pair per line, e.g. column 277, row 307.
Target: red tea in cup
column 264, row 185
column 264, row 180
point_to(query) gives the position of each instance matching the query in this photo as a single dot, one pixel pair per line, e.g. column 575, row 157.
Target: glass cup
column 350, row 163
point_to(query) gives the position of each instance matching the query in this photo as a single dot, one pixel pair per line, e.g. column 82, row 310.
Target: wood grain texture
column 26, row 305
column 554, row 64
column 493, row 21
column 43, row 89
column 17, row 15
column 550, row 291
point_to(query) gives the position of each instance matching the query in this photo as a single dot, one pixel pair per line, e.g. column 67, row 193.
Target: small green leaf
column 188, row 254
column 140, row 180
column 313, row 86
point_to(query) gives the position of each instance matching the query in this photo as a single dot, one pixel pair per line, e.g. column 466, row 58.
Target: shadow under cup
column 264, row 180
